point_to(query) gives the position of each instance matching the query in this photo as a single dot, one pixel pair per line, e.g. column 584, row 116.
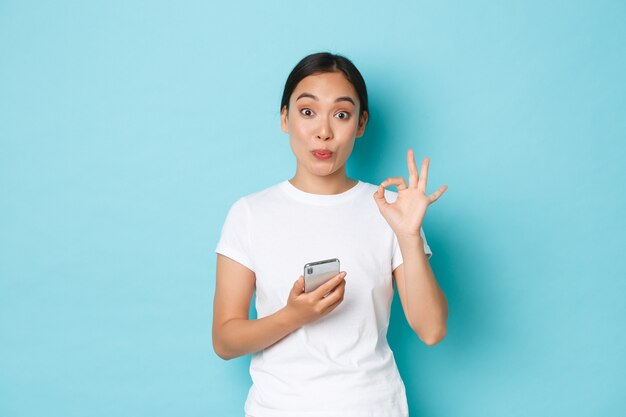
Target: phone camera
column 309, row 270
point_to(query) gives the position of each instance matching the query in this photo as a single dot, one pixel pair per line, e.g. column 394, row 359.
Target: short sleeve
column 235, row 240
column 397, row 260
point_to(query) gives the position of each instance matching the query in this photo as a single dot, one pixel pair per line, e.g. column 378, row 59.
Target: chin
column 321, row 172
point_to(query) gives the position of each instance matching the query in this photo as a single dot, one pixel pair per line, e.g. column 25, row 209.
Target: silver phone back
column 317, row 273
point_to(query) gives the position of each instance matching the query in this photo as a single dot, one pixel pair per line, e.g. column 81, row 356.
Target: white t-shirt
column 340, row 365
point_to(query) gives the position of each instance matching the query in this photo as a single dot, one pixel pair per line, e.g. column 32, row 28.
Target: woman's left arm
column 423, row 301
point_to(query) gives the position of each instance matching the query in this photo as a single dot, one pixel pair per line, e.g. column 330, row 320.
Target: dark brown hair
column 326, row 62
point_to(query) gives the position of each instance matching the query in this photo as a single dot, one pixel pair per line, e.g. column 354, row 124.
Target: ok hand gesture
column 406, row 214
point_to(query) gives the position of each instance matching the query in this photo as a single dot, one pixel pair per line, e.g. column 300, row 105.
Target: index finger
column 329, row 285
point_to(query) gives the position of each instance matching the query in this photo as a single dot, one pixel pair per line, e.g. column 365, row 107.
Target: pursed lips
column 322, row 153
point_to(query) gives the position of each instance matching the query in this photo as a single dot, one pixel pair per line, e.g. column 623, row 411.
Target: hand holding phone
column 316, row 296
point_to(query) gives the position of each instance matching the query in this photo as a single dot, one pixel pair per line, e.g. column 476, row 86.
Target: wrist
column 410, row 239
column 287, row 319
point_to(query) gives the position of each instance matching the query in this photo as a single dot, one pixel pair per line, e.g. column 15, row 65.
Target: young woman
column 325, row 352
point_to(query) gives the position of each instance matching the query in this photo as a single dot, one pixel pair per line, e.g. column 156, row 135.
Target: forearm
column 238, row 336
column 427, row 307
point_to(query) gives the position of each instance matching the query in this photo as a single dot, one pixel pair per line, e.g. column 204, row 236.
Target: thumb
column 298, row 286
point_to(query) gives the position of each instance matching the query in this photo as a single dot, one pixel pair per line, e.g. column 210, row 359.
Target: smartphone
column 317, row 273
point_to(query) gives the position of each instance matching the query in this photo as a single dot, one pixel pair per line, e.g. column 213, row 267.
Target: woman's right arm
column 234, row 334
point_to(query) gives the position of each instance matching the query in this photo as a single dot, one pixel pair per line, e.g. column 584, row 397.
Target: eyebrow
column 309, row 95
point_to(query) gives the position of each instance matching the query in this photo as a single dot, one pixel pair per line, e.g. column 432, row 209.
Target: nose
column 324, row 131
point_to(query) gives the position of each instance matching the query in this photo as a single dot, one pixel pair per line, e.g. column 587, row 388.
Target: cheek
column 347, row 150
column 298, row 129
column 347, row 132
column 347, row 128
column 348, row 135
column 297, row 141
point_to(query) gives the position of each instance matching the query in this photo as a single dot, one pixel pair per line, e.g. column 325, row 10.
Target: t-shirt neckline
column 321, row 199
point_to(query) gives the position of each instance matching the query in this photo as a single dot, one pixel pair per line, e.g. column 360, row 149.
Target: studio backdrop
column 128, row 129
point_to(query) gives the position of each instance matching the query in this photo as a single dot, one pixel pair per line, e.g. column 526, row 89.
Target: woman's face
column 323, row 123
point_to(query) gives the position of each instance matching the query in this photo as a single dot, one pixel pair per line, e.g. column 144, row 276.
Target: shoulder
column 254, row 201
column 264, row 196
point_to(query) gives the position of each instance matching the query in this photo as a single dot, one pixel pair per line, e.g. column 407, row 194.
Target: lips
column 322, row 153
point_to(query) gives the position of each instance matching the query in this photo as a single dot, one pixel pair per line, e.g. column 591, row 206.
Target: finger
column 421, row 184
column 334, row 298
column 298, row 286
column 379, row 197
column 397, row 181
column 329, row 285
column 410, row 160
column 337, row 291
column 331, row 307
column 435, row 196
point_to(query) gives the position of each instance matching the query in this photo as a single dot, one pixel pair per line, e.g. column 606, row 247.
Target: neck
column 335, row 183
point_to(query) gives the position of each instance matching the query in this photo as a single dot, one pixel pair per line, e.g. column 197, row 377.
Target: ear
column 362, row 123
column 283, row 120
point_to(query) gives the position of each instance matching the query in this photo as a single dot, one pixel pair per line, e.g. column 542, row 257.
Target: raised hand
column 406, row 214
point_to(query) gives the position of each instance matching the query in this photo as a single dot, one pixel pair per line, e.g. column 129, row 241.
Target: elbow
column 222, row 353
column 432, row 341
column 223, row 345
column 434, row 330
column 433, row 337
column 221, row 350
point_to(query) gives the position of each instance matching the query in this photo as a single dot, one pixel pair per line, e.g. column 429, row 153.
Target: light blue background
column 127, row 129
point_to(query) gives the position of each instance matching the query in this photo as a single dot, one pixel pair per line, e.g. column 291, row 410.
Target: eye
column 306, row 112
column 343, row 115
